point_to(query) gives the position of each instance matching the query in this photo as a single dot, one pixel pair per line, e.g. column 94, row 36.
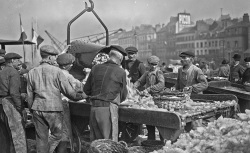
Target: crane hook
column 91, row 6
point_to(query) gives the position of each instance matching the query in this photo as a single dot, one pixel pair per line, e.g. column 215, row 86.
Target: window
column 201, row 44
column 209, row 44
column 197, row 45
column 197, row 52
column 206, row 52
column 236, row 44
column 216, row 43
column 228, row 44
column 205, row 44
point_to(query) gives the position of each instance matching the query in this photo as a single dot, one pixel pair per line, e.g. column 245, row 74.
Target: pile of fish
column 224, row 135
column 137, row 99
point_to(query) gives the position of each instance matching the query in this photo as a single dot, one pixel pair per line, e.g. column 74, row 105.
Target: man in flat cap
column 236, row 70
column 11, row 107
column 246, row 74
column 106, row 85
column 45, row 84
column 2, row 63
column 154, row 82
column 2, row 52
column 189, row 75
column 224, row 70
column 135, row 67
column 65, row 62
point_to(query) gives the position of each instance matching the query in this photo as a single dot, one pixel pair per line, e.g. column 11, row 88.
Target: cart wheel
column 77, row 144
column 129, row 131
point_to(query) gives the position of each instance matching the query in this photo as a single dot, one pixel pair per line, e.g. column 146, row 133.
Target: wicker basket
column 152, row 145
column 107, row 146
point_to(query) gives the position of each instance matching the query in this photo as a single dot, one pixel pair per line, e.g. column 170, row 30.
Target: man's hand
column 187, row 89
column 136, row 85
column 24, row 115
column 172, row 89
column 145, row 92
column 84, row 96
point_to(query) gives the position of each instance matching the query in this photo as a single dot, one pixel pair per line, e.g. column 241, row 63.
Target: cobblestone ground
column 134, row 147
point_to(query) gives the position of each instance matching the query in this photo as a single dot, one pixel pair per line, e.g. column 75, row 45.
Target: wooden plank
column 150, row 117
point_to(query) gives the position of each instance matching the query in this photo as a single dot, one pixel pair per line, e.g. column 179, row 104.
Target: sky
column 54, row 15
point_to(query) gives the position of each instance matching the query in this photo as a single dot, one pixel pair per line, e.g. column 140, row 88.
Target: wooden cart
column 226, row 87
column 169, row 124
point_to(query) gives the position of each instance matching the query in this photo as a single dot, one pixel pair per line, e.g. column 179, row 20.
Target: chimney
column 246, row 18
column 157, row 27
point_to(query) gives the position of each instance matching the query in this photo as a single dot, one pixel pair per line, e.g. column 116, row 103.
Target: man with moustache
column 190, row 75
column 135, row 67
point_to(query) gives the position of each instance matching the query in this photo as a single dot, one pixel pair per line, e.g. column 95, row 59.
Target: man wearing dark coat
column 246, row 74
column 134, row 66
column 106, row 86
column 236, row 70
column 11, row 107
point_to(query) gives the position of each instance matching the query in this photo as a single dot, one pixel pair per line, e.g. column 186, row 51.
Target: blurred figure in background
column 2, row 52
column 207, row 72
column 2, row 63
column 236, row 70
column 224, row 70
column 246, row 74
column 163, row 67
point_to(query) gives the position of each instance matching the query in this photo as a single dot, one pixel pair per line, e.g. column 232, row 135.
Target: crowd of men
column 46, row 87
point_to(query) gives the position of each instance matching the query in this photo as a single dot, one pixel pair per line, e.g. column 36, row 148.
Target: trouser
column 100, row 123
column 151, row 133
column 45, row 121
column 6, row 142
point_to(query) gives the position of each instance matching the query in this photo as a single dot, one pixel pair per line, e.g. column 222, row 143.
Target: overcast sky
column 54, row 15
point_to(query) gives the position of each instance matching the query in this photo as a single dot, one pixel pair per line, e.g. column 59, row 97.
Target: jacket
column 10, row 85
column 105, row 83
column 45, row 84
column 236, row 73
column 154, row 81
column 192, row 77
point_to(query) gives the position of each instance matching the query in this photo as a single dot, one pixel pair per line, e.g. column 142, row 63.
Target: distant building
column 235, row 37
column 140, row 37
column 165, row 46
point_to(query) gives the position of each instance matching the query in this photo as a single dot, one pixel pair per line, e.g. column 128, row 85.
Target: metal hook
column 91, row 6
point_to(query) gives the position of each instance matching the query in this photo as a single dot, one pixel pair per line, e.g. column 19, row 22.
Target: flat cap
column 2, row 60
column 2, row 51
column 119, row 49
column 131, row 50
column 247, row 59
column 65, row 59
column 187, row 54
column 236, row 57
column 9, row 56
column 153, row 60
column 48, row 50
column 225, row 61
